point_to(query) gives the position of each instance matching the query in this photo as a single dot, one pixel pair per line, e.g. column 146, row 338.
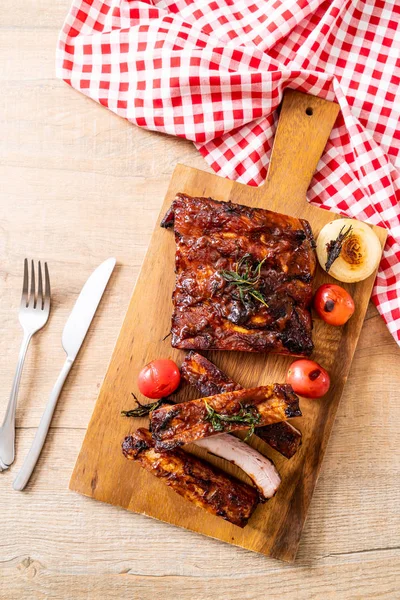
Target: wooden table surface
column 78, row 184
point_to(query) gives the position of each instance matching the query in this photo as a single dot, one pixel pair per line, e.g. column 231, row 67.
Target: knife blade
column 73, row 335
column 81, row 316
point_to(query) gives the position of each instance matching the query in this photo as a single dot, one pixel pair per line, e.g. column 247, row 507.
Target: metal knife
column 73, row 335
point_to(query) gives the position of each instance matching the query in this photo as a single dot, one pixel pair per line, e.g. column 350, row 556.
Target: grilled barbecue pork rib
column 196, row 480
column 201, row 373
column 186, row 422
column 275, row 252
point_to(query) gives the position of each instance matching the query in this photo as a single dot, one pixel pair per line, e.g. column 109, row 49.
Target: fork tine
column 24, row 296
column 46, row 288
column 32, row 292
column 39, row 301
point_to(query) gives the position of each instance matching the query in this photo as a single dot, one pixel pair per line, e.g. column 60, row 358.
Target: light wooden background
column 77, row 185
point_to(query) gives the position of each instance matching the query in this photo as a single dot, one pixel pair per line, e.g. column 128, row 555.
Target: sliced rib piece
column 206, row 377
column 196, row 480
column 201, row 373
column 275, row 252
column 189, row 421
column 282, row 437
column 259, row 468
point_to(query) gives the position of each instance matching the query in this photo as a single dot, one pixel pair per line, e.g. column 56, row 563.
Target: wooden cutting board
column 102, row 472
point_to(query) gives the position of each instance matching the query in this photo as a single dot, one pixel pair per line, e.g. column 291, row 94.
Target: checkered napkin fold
column 214, row 71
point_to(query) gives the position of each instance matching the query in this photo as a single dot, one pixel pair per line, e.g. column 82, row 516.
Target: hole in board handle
column 309, row 111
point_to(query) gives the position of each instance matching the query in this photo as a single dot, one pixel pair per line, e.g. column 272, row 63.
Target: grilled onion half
column 360, row 251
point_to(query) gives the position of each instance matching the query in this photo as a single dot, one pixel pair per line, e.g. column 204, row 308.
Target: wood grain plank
column 40, row 15
column 356, row 582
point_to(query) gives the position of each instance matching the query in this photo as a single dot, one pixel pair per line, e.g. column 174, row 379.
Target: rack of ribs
column 243, row 278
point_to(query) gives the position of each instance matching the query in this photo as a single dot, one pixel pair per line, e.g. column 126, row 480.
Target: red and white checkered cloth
column 214, row 71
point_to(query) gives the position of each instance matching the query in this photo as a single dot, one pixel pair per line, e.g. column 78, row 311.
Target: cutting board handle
column 304, row 126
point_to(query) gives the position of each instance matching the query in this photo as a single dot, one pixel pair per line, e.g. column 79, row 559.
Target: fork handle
column 32, row 457
column 7, row 441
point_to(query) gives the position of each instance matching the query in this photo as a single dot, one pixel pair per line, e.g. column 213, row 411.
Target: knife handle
column 32, row 457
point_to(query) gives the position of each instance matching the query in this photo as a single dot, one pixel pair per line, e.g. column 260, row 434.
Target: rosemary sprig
column 334, row 247
column 246, row 278
column 142, row 410
column 248, row 415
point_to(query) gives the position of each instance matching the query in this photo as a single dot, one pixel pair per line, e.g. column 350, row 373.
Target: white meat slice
column 258, row 467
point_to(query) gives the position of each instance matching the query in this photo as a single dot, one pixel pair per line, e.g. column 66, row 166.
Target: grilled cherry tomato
column 333, row 304
column 308, row 378
column 159, row 378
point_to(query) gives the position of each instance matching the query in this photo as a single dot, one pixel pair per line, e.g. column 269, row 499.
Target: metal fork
column 33, row 314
